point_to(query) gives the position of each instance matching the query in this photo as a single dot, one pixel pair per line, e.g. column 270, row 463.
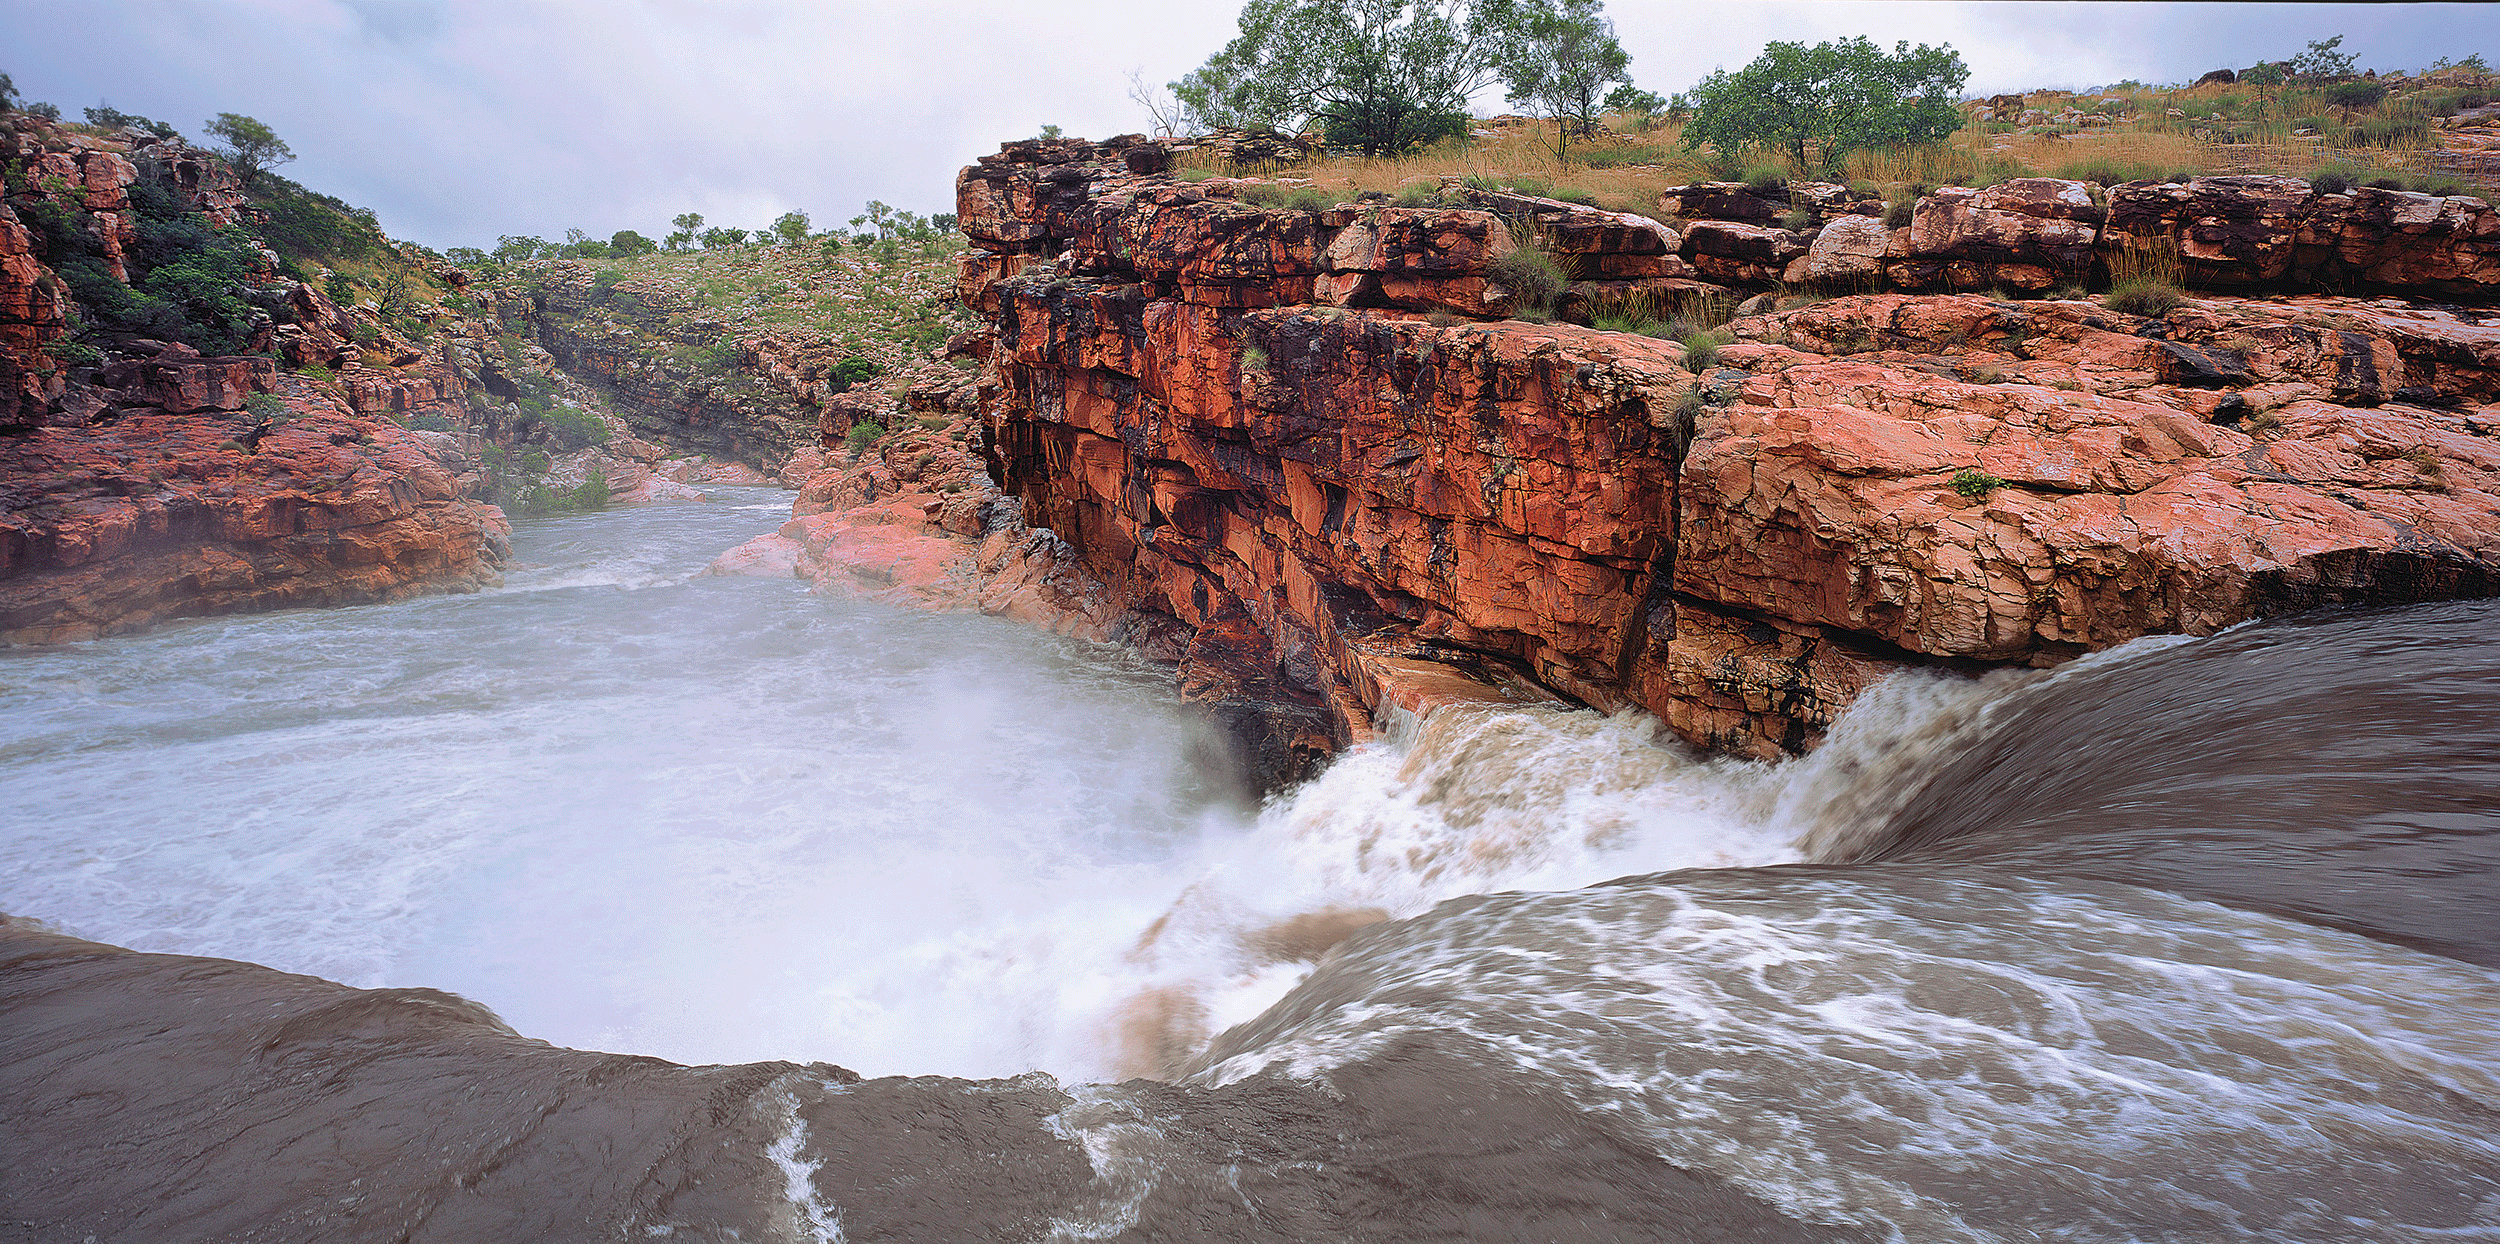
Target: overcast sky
column 459, row 120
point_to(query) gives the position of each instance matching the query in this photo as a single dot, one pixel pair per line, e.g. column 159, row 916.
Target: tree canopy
column 1833, row 97
column 1379, row 75
column 249, row 145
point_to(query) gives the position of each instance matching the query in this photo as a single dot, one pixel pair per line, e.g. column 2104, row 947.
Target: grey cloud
column 461, row 120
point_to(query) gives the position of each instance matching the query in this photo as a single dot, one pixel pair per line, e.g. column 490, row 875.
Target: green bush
column 73, row 354
column 862, row 435
column 2144, row 296
column 1417, row 194
column 850, row 372
column 264, row 406
column 591, row 494
column 2356, row 94
column 1531, row 276
column 1767, row 180
column 535, row 461
column 1975, row 484
column 575, row 426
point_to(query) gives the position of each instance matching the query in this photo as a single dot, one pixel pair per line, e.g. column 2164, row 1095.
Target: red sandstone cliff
column 1241, row 424
column 151, row 483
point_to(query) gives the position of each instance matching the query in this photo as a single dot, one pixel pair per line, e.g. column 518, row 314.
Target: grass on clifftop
column 2287, row 130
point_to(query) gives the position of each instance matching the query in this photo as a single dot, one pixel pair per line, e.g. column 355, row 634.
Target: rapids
column 2189, row 940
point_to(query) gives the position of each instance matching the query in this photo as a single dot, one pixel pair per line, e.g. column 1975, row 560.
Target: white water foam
column 719, row 820
column 1894, row 1051
column 819, row 1218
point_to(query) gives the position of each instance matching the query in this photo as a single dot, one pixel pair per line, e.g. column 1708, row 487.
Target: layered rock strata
column 1263, row 444
column 196, row 505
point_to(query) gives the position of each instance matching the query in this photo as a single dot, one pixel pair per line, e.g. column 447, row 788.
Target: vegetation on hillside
column 1851, row 111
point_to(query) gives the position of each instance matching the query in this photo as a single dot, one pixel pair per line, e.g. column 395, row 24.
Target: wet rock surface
column 1856, row 486
column 171, row 1098
column 154, row 514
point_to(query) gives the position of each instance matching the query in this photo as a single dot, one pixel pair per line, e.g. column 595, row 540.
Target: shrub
column 862, row 435
column 1417, row 194
column 2144, row 296
column 1797, row 220
column 850, row 372
column 2356, row 94
column 1767, row 180
column 535, row 461
column 1531, row 276
column 1899, row 209
column 73, row 354
column 1975, row 484
column 591, row 494
column 1701, row 350
column 575, row 426
column 264, row 406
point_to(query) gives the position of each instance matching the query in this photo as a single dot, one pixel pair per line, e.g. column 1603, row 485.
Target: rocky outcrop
column 1287, row 494
column 161, row 513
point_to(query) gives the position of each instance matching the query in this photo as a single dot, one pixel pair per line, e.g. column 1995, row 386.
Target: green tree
column 8, row 93
column 2324, row 61
column 1561, row 60
column 717, row 237
column 112, row 118
column 626, row 244
column 1378, row 75
column 248, row 145
column 689, row 227
column 1833, row 97
column 511, row 248
column 790, row 227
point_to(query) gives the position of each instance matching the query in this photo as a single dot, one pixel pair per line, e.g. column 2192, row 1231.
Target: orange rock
column 114, row 527
column 1292, row 499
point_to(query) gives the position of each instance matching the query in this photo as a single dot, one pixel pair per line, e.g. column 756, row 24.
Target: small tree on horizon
column 251, row 147
column 791, row 228
column 1561, row 60
column 689, row 227
column 2323, row 61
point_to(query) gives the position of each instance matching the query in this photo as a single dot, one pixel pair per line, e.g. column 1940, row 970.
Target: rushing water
column 2190, row 940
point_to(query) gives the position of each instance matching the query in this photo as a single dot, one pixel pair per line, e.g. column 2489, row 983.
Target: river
column 2194, row 939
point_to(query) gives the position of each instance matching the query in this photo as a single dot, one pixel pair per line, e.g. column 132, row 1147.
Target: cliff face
column 152, row 482
column 1242, row 422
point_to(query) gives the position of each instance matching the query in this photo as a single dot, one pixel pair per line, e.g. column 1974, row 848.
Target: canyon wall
column 154, row 482
column 1303, row 448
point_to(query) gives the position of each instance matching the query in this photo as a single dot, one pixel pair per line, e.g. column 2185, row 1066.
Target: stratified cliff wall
column 1302, row 447
column 153, row 482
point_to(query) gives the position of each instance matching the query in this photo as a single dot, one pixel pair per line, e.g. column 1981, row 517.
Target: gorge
column 1944, row 765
